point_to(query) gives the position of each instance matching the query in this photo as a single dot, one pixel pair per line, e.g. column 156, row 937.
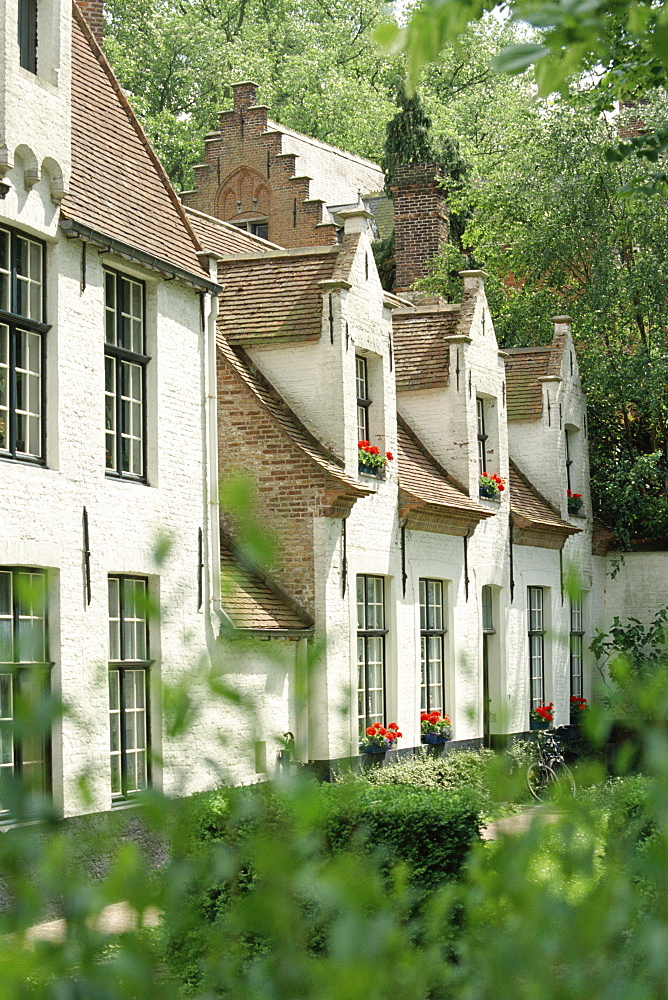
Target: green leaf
column 517, row 58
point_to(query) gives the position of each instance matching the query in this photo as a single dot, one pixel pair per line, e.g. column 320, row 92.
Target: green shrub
column 234, row 837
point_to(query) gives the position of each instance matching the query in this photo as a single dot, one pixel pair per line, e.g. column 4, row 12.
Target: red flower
column 373, row 450
column 424, row 717
column 371, row 731
column 363, row 444
column 389, row 456
column 399, row 735
column 434, row 717
column 393, row 725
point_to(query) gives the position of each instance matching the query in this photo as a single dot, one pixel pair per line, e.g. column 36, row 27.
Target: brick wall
column 93, row 11
column 420, row 220
column 290, row 488
column 246, row 175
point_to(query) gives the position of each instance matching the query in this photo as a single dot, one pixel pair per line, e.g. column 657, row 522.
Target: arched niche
column 51, row 171
column 244, row 193
column 25, row 159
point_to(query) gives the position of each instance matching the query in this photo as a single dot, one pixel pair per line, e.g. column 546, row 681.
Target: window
column 482, row 437
column 371, row 634
column 536, row 646
column 24, row 677
column 432, row 646
column 569, row 460
column 363, row 401
column 487, row 612
column 125, row 377
column 577, row 633
column 22, row 331
column 258, row 227
column 128, row 684
column 27, row 35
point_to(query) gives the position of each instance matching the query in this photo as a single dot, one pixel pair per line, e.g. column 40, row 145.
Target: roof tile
column 421, row 350
column 252, row 603
column 118, row 187
column 222, row 238
column 528, row 503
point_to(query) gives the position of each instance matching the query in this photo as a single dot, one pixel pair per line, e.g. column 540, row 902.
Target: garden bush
column 233, row 839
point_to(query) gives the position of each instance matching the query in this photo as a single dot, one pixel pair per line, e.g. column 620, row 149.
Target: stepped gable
column 535, row 520
column 258, row 171
column 275, row 296
column 255, row 604
column 220, row 239
column 430, row 499
column 287, row 420
column 526, row 367
column 118, row 187
column 421, row 349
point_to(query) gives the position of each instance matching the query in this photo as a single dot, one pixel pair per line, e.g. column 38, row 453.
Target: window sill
column 113, row 477
column 492, row 499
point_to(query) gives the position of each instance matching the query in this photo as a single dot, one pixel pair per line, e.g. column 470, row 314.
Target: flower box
column 575, row 503
column 378, row 739
column 490, row 494
column 534, row 724
column 371, row 470
column 434, row 738
column 373, row 749
column 491, row 486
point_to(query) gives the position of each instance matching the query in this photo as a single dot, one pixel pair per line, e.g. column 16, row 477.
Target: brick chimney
column 93, row 11
column 245, row 95
column 421, row 223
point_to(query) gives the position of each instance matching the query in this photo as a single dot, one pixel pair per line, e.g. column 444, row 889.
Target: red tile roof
column 118, row 187
column 421, row 351
column 534, row 514
column 289, row 423
column 425, row 488
column 274, row 297
column 222, row 238
column 252, row 602
column 525, row 367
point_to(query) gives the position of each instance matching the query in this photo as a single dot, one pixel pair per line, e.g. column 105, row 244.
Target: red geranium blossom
column 389, row 456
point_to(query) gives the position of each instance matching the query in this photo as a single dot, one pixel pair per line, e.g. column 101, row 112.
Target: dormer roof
column 277, row 296
column 118, row 188
column 535, row 520
column 421, row 348
column 526, row 368
column 430, row 499
column 289, row 423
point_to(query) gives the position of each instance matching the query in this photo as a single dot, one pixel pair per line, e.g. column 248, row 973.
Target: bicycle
column 550, row 777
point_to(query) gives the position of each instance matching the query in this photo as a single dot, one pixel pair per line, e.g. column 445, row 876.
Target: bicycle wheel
column 541, row 780
column 565, row 777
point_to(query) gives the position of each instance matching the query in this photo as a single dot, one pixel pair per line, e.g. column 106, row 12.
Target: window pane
column 4, row 386
column 29, row 279
column 28, row 393
column 114, row 619
column 4, row 270
column 110, row 308
column 30, row 618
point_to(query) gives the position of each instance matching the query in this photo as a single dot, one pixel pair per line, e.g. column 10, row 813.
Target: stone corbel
column 6, row 161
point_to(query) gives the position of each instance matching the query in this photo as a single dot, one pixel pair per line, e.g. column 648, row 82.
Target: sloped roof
column 222, row 238
column 533, row 511
column 252, row 603
column 425, row 486
column 525, row 367
column 421, row 351
column 274, row 297
column 118, row 187
column 288, row 421
column 382, row 209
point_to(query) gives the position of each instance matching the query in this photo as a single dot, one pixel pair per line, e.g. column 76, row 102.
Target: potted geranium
column 575, row 502
column 435, row 728
column 542, row 716
column 578, row 708
column 491, row 486
column 378, row 739
column 370, row 459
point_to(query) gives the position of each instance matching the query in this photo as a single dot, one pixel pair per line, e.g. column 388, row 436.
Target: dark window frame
column 17, row 325
column 481, row 436
column 363, row 401
column 428, row 632
column 536, row 641
column 123, row 356
column 576, row 646
column 19, row 670
column 569, row 460
column 27, row 35
column 364, row 635
column 122, row 666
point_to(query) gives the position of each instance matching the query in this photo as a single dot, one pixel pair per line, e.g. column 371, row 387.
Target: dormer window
column 363, row 400
column 569, row 460
column 482, row 438
column 27, row 35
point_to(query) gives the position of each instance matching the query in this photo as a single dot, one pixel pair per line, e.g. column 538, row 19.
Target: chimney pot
column 245, row 95
column 473, row 280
